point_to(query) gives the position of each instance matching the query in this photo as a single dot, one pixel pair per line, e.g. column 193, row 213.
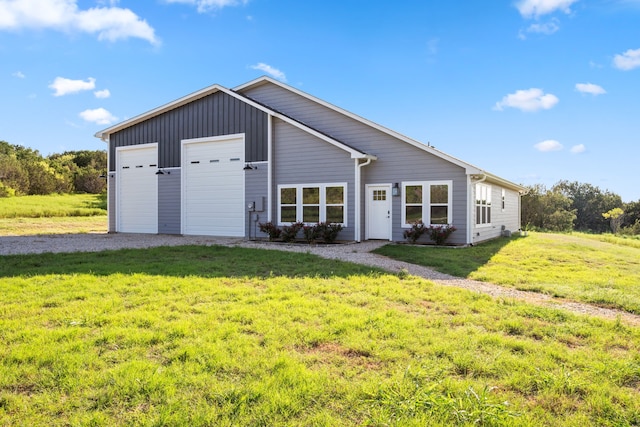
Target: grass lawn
column 55, row 214
column 195, row 336
column 601, row 270
column 60, row 205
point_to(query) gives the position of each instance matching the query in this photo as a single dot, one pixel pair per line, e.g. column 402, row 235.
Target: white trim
column 488, row 204
column 426, row 201
column 470, row 209
column 104, row 134
column 270, row 168
column 387, row 187
column 322, row 205
column 469, row 168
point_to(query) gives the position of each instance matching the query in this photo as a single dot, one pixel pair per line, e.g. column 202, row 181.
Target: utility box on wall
column 259, row 204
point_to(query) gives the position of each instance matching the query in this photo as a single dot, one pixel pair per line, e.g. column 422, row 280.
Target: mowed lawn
column 602, row 270
column 208, row 336
column 55, row 214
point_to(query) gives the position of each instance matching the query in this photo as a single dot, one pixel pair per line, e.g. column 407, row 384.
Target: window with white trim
column 504, row 197
column 483, row 204
column 312, row 203
column 427, row 201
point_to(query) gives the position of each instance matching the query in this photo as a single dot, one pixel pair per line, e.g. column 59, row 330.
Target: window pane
column 311, row 196
column 478, row 217
column 489, row 215
column 310, row 214
column 335, row 214
column 439, row 215
column 413, row 214
column 288, row 196
column 413, row 194
column 288, row 214
column 335, row 195
column 439, row 194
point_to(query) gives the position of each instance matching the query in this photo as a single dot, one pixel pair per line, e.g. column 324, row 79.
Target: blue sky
column 535, row 91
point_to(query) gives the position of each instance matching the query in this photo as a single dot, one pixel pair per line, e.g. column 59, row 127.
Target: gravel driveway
column 355, row 252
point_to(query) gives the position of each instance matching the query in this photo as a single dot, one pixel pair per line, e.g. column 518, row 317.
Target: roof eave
column 104, row 134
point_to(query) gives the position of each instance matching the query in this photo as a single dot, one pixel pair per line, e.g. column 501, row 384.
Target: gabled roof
column 104, row 134
column 469, row 168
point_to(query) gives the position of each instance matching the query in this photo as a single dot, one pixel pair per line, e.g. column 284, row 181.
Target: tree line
column 578, row 206
column 566, row 206
column 24, row 171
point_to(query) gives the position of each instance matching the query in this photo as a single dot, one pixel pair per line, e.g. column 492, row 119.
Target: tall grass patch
column 199, row 336
column 61, row 205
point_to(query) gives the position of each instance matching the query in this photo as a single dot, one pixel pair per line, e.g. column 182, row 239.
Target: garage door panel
column 213, row 188
column 137, row 198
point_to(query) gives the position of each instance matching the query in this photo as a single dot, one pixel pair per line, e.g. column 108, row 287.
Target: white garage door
column 213, row 187
column 137, row 196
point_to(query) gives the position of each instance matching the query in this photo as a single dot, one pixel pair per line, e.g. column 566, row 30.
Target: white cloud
column 548, row 145
column 590, row 88
column 273, row 72
column 577, row 149
column 102, row 93
column 528, row 100
column 209, row 5
column 537, row 8
column 98, row 116
column 64, row 86
column 547, row 28
column 628, row 60
column 109, row 23
column 19, row 74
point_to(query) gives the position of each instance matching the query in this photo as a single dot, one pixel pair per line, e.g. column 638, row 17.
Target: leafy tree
column 24, row 171
column 615, row 216
column 547, row 210
column 631, row 214
column 589, row 203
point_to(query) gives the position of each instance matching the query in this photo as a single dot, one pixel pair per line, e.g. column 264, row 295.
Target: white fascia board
column 469, row 168
column 104, row 134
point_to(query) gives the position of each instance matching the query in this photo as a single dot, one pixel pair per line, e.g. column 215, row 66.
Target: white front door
column 378, row 214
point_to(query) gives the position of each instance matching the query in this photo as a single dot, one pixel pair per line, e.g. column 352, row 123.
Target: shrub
column 310, row 233
column 270, row 229
column 413, row 234
column 440, row 233
column 328, row 231
column 289, row 232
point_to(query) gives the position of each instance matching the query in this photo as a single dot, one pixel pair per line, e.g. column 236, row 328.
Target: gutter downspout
column 358, row 197
column 269, row 168
column 471, row 209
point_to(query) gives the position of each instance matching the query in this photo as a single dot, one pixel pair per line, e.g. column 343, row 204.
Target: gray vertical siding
column 300, row 158
column 169, row 201
column 397, row 161
column 213, row 115
column 111, row 203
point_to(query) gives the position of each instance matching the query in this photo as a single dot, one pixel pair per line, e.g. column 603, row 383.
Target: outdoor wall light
column 395, row 191
column 249, row 166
